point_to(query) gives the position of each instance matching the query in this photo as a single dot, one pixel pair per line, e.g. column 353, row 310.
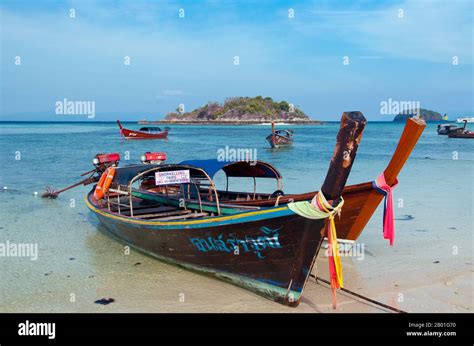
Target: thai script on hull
column 268, row 240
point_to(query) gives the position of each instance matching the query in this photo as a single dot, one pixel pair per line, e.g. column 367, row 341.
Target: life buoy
column 104, row 183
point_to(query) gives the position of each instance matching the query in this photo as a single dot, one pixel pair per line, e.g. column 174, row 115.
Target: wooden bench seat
column 160, row 215
column 180, row 217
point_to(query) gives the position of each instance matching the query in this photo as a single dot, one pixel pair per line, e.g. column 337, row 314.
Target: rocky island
column 241, row 111
column 425, row 114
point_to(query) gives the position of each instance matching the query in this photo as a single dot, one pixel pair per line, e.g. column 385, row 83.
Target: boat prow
column 461, row 132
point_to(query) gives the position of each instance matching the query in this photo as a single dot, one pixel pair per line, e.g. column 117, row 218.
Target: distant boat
column 280, row 138
column 462, row 132
column 445, row 117
column 446, row 129
column 143, row 133
column 468, row 119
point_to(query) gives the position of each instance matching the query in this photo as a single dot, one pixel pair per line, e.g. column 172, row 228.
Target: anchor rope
column 360, row 296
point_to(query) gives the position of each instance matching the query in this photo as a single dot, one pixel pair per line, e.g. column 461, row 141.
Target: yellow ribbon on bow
column 320, row 202
column 319, row 208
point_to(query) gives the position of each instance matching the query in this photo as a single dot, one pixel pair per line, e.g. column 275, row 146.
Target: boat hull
column 270, row 252
column 131, row 134
column 360, row 202
column 445, row 132
column 461, row 135
column 277, row 141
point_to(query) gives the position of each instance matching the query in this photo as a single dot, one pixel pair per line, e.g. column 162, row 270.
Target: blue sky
column 190, row 60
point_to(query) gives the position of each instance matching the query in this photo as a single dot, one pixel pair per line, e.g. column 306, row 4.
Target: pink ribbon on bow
column 382, row 187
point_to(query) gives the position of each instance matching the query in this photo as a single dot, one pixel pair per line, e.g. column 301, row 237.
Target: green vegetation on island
column 242, row 110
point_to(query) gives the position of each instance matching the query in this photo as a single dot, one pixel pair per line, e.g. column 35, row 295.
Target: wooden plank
column 189, row 216
column 159, row 215
column 147, row 210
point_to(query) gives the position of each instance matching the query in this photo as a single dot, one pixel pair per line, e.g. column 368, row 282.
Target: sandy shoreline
column 140, row 283
column 144, row 293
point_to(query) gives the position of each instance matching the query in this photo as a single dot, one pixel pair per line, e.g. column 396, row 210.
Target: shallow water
column 78, row 262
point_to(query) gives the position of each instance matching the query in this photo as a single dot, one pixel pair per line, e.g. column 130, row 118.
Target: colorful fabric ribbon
column 382, row 187
column 335, row 267
column 319, row 208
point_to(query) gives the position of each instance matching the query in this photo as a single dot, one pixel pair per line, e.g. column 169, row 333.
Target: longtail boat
column 144, row 132
column 270, row 252
column 446, row 129
column 462, row 132
column 279, row 138
column 361, row 200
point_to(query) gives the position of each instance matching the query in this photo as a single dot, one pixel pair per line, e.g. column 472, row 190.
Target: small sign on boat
column 172, row 177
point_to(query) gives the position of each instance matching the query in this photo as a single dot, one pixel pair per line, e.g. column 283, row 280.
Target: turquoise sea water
column 436, row 188
column 53, row 153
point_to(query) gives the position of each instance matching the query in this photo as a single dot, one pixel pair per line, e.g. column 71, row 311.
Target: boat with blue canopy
column 270, row 251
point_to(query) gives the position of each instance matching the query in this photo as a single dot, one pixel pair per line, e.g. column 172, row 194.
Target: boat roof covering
column 150, row 129
column 123, row 175
column 253, row 169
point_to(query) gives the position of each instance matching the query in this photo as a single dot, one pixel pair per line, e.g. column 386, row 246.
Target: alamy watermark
column 67, row 107
column 393, row 107
column 28, row 328
column 348, row 250
column 229, row 154
column 10, row 249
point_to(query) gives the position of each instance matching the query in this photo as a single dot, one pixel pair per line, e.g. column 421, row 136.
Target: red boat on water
column 144, row 132
column 280, row 138
column 461, row 132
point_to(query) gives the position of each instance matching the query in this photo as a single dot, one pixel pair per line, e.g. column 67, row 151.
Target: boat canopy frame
column 202, row 173
column 150, row 129
column 282, row 132
column 170, row 167
column 239, row 168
